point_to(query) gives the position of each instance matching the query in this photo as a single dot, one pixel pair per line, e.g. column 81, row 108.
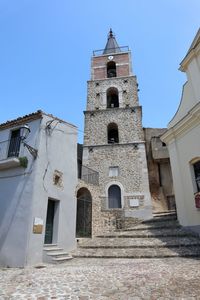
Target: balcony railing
column 111, row 51
column 88, row 175
column 10, row 148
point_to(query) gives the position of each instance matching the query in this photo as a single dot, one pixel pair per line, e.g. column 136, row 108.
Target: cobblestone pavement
column 175, row 278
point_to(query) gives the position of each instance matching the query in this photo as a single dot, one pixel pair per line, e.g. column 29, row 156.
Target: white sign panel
column 134, row 203
column 38, row 221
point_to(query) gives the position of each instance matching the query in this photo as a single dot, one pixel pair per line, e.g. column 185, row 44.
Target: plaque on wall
column 37, row 225
column 134, row 203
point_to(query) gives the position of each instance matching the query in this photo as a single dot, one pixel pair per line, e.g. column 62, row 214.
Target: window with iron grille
column 14, row 146
column 196, row 167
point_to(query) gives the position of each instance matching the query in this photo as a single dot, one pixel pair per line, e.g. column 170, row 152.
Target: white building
column 38, row 176
column 183, row 140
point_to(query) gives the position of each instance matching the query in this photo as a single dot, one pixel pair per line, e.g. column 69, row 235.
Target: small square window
column 113, row 171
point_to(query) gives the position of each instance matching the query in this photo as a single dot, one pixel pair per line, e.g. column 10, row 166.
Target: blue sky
column 46, row 47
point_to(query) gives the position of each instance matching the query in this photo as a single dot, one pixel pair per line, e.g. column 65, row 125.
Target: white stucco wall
column 182, row 151
column 57, row 151
column 183, row 140
column 24, row 193
column 191, row 89
column 15, row 202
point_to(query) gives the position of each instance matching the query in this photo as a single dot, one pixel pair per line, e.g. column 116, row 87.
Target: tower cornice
column 131, row 108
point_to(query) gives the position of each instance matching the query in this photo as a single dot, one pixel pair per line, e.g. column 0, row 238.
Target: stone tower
column 113, row 140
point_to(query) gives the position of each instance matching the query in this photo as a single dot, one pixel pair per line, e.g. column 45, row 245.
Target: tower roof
column 111, row 45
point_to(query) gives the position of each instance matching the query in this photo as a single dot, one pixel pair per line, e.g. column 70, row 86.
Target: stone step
column 156, row 219
column 52, row 249
column 50, row 246
column 139, row 243
column 159, row 238
column 138, row 253
column 62, row 259
column 152, row 226
column 55, row 254
column 167, row 232
column 164, row 213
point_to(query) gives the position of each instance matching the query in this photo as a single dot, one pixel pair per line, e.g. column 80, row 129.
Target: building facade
column 183, row 141
column 114, row 141
column 37, row 200
column 159, row 170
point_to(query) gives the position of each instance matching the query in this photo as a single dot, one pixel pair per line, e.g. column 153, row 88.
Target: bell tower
column 113, row 139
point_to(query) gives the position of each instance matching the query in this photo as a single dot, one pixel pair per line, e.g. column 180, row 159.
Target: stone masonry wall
column 132, row 179
column 126, row 157
column 127, row 120
column 127, row 88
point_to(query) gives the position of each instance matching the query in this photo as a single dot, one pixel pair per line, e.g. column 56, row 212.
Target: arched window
column 111, row 69
column 113, row 136
column 114, row 196
column 112, row 98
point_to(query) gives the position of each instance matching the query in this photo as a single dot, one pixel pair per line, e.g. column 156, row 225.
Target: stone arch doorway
column 84, row 213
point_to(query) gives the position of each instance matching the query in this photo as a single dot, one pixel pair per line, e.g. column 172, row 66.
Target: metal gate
column 84, row 216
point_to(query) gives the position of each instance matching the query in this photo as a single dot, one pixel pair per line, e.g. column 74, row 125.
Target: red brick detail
column 100, row 73
column 117, row 58
column 123, row 70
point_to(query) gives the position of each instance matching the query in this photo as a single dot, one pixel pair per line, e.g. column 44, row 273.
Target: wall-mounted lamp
column 24, row 132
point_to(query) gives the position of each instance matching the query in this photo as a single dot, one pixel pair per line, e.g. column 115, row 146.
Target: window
column 114, row 196
column 111, row 69
column 14, row 145
column 113, row 171
column 196, row 167
column 113, row 133
column 112, row 98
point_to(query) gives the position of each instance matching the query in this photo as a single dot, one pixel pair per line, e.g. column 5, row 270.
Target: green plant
column 23, row 161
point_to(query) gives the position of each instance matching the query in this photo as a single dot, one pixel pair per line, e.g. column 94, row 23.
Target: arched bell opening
column 112, row 98
column 84, row 213
column 111, row 69
column 112, row 132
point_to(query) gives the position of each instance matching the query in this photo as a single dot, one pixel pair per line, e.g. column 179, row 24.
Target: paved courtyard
column 175, row 278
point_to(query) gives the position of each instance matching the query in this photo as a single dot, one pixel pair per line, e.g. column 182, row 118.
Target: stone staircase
column 159, row 237
column 54, row 254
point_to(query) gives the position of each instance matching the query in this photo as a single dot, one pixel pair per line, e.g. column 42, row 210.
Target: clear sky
column 46, row 47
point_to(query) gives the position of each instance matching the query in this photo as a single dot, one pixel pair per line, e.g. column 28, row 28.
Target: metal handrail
column 89, row 175
column 115, row 50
